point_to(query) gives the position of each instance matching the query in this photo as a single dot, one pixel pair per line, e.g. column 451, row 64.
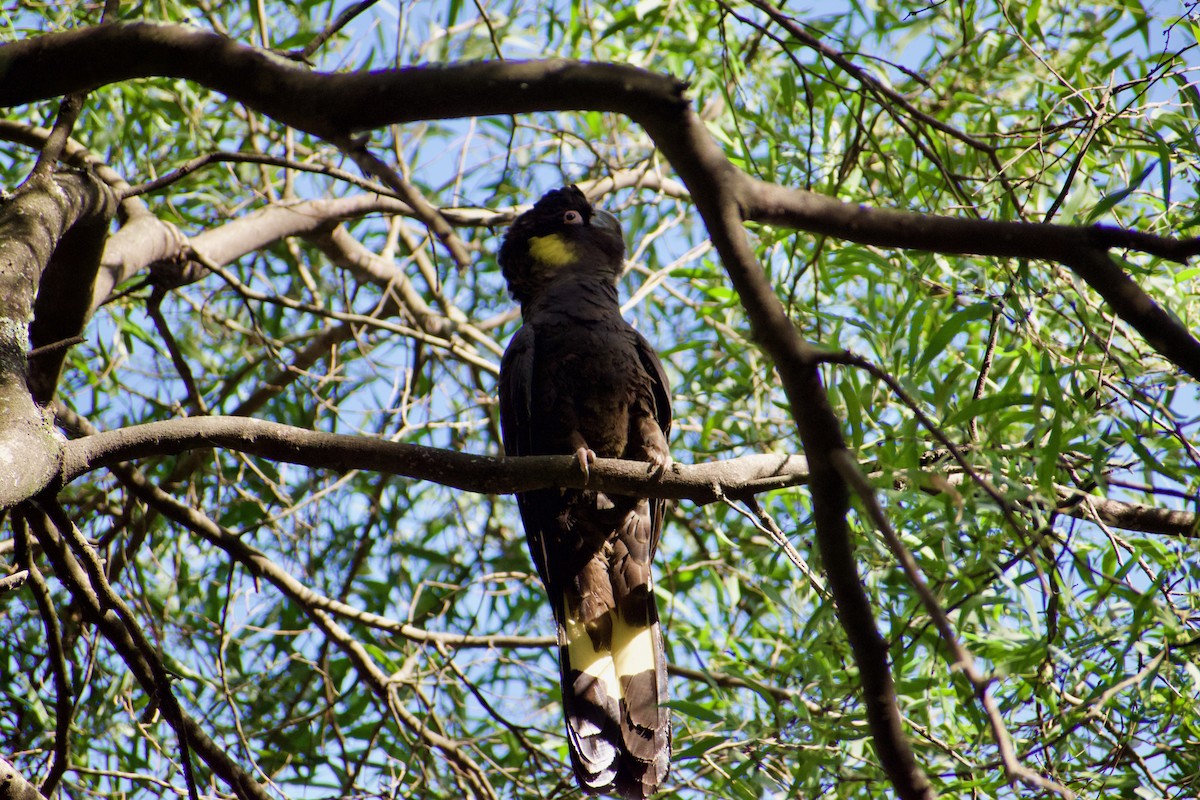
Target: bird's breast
column 586, row 380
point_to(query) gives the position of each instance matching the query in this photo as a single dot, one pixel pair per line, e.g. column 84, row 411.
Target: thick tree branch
column 1129, row 516
column 147, row 240
column 260, row 565
column 702, row 483
column 56, row 142
column 50, row 237
column 14, row 785
column 326, row 104
column 1083, row 249
column 33, row 224
column 714, row 184
column 699, row 483
column 335, row 104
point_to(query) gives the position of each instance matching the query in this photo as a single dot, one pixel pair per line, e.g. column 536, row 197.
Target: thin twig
column 765, row 523
column 59, row 345
column 224, row 157
column 985, row 369
column 63, row 706
column 163, row 695
column 154, row 309
column 456, row 347
column 853, row 359
column 340, row 21
column 369, row 163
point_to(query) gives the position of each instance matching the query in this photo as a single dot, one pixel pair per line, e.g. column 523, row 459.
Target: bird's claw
column 584, row 456
column 659, row 462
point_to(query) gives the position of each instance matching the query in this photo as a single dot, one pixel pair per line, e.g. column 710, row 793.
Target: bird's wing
column 516, row 428
column 662, row 414
column 516, row 388
column 658, row 381
column 590, row 694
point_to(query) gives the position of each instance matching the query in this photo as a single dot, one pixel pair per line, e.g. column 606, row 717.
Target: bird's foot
column 585, row 456
column 653, row 444
column 660, row 461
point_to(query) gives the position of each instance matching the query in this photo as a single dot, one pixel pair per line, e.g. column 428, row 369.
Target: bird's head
column 561, row 234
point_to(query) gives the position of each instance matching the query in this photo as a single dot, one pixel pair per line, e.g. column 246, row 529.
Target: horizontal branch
column 333, row 105
column 14, row 581
column 797, row 208
column 1128, row 516
column 327, row 104
column 700, row 483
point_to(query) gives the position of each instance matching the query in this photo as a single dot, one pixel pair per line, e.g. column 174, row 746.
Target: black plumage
column 578, row 379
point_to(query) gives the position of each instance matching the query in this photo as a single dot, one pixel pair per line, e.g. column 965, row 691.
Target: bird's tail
column 614, row 673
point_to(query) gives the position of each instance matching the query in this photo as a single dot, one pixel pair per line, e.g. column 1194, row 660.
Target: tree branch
column 962, row 657
column 326, row 104
column 319, row 608
column 14, row 785
column 50, row 236
column 14, row 582
column 333, row 105
column 701, row 483
column 63, row 706
column 718, row 190
column 336, row 104
column 148, row 240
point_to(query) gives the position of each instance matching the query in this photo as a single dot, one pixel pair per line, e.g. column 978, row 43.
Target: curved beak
column 603, row 219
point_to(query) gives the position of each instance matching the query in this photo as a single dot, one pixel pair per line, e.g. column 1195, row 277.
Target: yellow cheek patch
column 552, row 250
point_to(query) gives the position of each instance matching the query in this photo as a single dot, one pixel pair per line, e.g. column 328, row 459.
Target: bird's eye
column 573, row 218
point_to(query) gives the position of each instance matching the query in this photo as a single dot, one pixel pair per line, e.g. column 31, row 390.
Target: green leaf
column 986, row 405
column 1110, row 200
column 941, row 338
column 697, row 711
